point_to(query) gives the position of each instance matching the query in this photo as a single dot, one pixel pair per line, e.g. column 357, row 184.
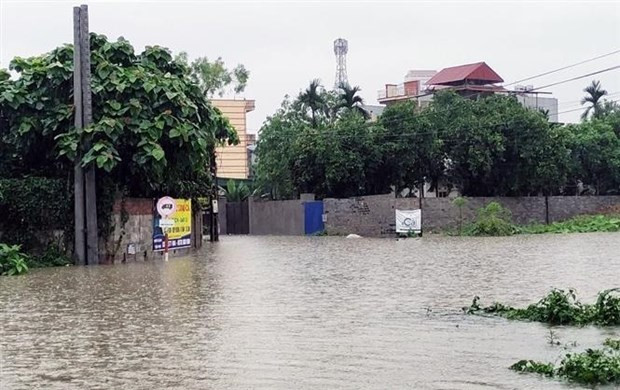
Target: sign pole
column 166, row 247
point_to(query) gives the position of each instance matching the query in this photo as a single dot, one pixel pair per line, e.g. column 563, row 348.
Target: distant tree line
column 322, row 142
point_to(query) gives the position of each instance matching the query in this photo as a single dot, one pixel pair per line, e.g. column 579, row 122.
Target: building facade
column 232, row 160
column 413, row 88
column 469, row 80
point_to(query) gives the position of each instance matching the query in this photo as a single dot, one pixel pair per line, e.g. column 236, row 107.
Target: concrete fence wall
column 284, row 217
column 565, row 207
column 368, row 216
column 138, row 231
column 441, row 213
column 374, row 215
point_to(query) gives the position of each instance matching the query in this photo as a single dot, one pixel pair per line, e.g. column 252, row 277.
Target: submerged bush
column 492, row 220
column 594, row 366
column 53, row 256
column 580, row 224
column 559, row 307
column 12, row 260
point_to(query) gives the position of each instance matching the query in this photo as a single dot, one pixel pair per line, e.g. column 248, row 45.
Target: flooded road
column 301, row 313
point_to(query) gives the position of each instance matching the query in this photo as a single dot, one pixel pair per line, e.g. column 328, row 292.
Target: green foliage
column 487, row 147
column 152, row 127
column 559, row 307
column 213, row 77
column 237, row 191
column 351, row 101
column 492, row 220
column 153, row 132
column 596, row 155
column 12, row 260
column 579, row 224
column 612, row 343
column 546, row 369
column 33, row 206
column 336, row 157
column 594, row 94
column 592, row 367
column 53, row 256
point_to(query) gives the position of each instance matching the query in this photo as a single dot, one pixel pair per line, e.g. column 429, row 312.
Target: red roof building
column 472, row 74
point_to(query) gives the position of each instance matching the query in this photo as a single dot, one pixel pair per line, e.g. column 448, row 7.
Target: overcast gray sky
column 285, row 44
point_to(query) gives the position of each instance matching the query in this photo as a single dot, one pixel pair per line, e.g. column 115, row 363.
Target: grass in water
column 559, row 307
column 592, row 367
column 581, row 224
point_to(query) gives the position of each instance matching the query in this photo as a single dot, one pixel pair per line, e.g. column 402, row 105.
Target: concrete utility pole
column 78, row 173
column 86, row 245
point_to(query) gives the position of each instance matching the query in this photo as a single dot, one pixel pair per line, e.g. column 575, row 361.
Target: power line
column 564, row 67
column 576, row 78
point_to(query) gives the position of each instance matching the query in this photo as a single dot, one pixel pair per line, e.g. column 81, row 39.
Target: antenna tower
column 341, row 47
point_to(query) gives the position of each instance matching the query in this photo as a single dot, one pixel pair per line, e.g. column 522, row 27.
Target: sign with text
column 408, row 221
column 177, row 225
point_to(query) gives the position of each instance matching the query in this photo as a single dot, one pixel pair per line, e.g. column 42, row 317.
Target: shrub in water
column 559, row 307
column 592, row 367
column 580, row 224
column 12, row 261
column 492, row 220
column 53, row 256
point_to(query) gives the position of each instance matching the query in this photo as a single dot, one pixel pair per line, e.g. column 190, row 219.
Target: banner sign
column 408, row 221
column 173, row 217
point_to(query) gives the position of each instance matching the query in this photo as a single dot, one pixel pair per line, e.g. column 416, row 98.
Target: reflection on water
column 300, row 312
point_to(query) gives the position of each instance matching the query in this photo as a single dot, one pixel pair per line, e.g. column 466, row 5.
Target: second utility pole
column 86, row 233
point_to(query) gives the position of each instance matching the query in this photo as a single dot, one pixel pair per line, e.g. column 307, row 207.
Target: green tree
column 237, row 192
column 496, row 147
column 312, row 98
column 274, row 151
column 153, row 130
column 594, row 94
column 213, row 77
column 596, row 154
column 411, row 148
column 350, row 100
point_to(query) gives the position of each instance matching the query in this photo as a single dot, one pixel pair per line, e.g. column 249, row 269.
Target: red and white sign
column 166, row 206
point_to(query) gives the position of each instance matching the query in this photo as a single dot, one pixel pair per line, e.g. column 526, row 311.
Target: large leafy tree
column 153, row 130
column 497, row 147
column 333, row 157
column 412, row 152
column 596, row 154
column 594, row 94
column 213, row 77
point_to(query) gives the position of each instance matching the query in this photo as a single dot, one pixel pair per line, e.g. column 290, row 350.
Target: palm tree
column 594, row 95
column 312, row 99
column 349, row 99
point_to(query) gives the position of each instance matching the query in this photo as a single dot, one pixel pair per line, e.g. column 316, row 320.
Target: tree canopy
column 213, row 77
column 153, row 129
column 490, row 146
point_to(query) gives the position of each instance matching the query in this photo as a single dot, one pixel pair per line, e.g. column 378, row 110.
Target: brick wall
column 366, row 216
column 374, row 215
column 565, row 207
column 441, row 213
column 138, row 230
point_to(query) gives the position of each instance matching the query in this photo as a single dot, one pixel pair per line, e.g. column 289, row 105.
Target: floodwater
column 302, row 313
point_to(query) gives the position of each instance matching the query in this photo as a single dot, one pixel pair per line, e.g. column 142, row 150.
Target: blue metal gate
column 313, row 217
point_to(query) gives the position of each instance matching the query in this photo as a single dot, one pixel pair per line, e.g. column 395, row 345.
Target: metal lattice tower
column 341, row 47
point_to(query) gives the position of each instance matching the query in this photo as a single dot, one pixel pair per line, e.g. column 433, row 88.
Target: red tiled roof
column 480, row 72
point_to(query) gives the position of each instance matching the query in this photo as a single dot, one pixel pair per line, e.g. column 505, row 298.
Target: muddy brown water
column 301, row 313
